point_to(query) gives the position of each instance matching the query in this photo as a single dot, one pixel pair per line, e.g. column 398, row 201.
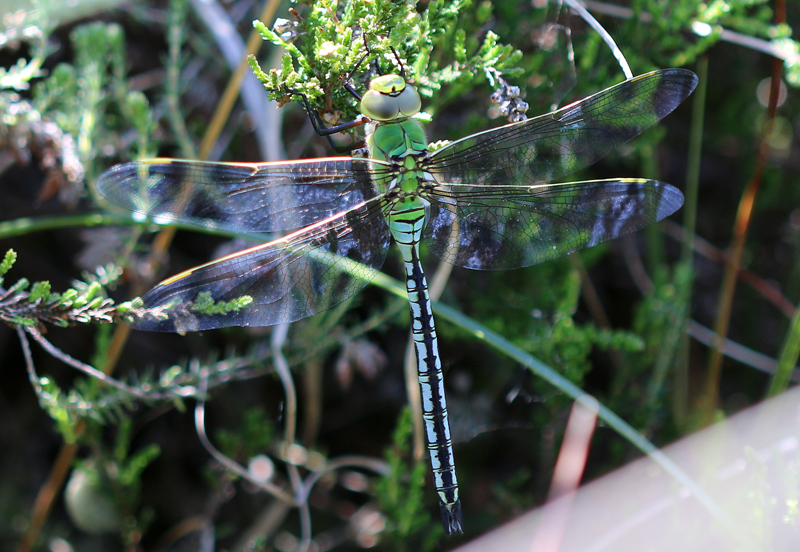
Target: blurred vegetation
column 116, row 429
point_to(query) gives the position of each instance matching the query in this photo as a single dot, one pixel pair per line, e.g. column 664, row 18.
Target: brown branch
column 708, row 399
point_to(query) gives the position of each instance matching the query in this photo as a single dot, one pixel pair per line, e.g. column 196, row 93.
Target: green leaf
column 8, row 261
column 39, row 291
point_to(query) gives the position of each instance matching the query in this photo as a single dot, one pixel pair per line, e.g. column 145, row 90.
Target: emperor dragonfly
column 481, row 202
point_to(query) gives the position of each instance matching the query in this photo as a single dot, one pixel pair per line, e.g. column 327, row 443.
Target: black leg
column 327, row 132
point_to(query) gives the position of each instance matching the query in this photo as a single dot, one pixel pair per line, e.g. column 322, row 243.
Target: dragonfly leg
column 316, row 120
column 327, row 132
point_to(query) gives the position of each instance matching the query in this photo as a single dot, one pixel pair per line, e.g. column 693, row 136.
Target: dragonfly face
column 483, row 202
column 390, row 98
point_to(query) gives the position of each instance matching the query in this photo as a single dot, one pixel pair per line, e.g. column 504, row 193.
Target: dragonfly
column 484, row 202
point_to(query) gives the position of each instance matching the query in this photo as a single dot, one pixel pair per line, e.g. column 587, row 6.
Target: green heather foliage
column 329, row 49
column 402, row 495
column 84, row 303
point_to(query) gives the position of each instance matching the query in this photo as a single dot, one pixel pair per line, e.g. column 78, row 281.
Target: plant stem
column 788, row 359
column 680, row 398
column 708, row 400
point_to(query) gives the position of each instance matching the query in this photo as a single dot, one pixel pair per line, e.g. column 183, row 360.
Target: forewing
column 502, row 227
column 554, row 145
column 241, row 197
column 282, row 281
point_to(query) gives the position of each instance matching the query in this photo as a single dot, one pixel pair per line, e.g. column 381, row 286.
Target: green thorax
column 396, row 139
column 401, row 142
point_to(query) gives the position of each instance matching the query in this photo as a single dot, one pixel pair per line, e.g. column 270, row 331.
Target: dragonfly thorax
column 395, row 141
column 390, row 98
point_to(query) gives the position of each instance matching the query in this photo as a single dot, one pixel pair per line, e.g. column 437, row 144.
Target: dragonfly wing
column 502, row 227
column 241, row 197
column 556, row 144
column 281, row 281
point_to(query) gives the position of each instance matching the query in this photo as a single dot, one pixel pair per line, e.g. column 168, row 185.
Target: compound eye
column 378, row 106
column 409, row 102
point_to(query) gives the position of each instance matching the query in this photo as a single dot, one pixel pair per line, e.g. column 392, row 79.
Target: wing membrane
column 554, row 145
column 241, row 197
column 502, row 227
column 281, row 281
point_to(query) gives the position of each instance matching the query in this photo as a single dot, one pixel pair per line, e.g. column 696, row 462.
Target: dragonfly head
column 389, row 98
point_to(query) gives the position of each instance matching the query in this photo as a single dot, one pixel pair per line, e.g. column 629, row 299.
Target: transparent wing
column 554, row 145
column 502, row 227
column 281, row 281
column 242, row 197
